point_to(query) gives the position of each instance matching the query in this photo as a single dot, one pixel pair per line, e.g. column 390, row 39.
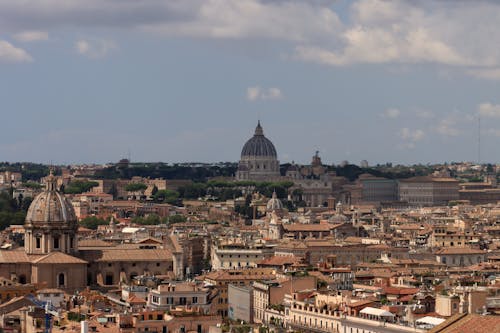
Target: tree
column 32, row 185
column 168, row 196
column 136, row 187
column 79, row 186
column 177, row 218
column 92, row 222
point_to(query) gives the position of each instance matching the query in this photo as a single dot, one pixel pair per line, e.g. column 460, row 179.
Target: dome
column 50, row 206
column 274, row 204
column 259, row 145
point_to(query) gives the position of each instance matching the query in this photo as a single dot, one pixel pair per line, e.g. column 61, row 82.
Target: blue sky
column 174, row 81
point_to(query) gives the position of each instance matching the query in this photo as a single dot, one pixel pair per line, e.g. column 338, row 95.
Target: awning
column 376, row 312
column 434, row 321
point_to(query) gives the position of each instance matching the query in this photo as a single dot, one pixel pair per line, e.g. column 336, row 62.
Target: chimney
column 84, row 326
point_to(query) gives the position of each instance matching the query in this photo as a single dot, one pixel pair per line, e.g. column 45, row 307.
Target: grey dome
column 259, row 145
column 50, row 206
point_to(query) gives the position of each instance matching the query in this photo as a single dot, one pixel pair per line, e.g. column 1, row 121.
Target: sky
column 395, row 81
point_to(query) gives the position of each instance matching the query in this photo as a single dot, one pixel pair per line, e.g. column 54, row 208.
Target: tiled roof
column 127, row 255
column 307, row 227
column 93, row 243
column 469, row 323
column 58, row 258
column 280, row 260
column 15, row 256
column 458, row 250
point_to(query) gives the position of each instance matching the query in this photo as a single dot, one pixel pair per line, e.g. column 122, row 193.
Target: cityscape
column 249, row 166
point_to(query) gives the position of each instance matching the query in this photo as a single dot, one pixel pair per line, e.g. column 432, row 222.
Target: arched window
column 61, row 280
column 22, row 279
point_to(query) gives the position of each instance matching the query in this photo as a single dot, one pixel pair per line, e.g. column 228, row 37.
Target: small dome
column 259, row 145
column 274, row 204
column 50, row 206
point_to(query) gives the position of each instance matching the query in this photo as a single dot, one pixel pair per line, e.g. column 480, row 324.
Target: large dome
column 51, row 207
column 259, row 145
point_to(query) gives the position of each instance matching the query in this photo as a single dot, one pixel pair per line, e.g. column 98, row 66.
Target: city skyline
column 357, row 80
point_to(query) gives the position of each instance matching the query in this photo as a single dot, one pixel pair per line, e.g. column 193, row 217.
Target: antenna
column 479, row 139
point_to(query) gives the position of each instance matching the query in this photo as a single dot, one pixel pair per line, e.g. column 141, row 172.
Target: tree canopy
column 79, row 186
column 135, row 187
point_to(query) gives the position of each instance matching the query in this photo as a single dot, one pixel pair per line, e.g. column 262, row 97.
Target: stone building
column 52, row 257
column 428, row 191
column 259, row 159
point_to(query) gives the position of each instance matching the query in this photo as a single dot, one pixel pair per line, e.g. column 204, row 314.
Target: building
column 465, row 256
column 239, row 255
column 52, row 257
column 259, row 159
column 240, row 303
column 272, row 292
column 169, row 296
column 377, row 189
column 238, row 277
column 10, row 289
column 428, row 191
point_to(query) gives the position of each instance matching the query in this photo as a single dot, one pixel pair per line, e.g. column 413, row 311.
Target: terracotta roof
column 400, row 291
column 458, row 250
column 15, row 256
column 279, row 260
column 469, row 323
column 307, row 227
column 93, row 243
column 128, row 255
column 135, row 300
column 58, row 258
column 421, row 179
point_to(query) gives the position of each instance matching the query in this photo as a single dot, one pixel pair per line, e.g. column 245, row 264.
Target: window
column 195, row 300
column 38, row 241
column 56, row 242
column 61, row 280
column 109, row 279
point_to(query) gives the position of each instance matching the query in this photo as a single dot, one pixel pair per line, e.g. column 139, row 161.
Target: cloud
column 258, row 93
column 95, row 48
column 450, row 33
column 31, row 36
column 492, row 132
column 424, row 114
column 489, row 110
column 454, row 124
column 447, row 127
column 485, row 73
column 377, row 32
column 391, row 113
column 10, row 53
column 411, row 135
